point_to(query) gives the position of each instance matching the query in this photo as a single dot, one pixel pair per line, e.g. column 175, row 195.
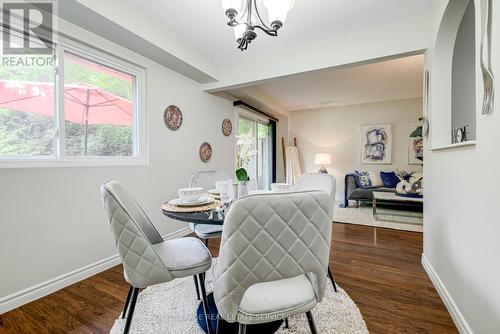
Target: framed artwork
column 376, row 144
column 415, row 144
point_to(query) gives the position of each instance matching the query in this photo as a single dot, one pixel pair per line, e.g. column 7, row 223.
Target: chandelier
column 245, row 18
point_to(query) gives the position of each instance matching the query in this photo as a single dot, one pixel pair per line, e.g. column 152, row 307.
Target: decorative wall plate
column 205, row 152
column 227, row 127
column 173, row 117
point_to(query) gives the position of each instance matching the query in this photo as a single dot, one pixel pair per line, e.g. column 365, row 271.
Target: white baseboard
column 30, row 294
column 448, row 301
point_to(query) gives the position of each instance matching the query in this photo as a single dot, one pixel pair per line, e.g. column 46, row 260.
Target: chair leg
column 331, row 279
column 197, row 287
column 201, row 279
column 286, row 323
column 242, row 329
column 130, row 314
column 310, row 320
column 127, row 301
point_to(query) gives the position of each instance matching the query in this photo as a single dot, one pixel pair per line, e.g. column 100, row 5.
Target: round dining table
column 213, row 218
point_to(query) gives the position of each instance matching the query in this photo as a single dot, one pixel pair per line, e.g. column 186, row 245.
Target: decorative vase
column 243, row 188
column 405, row 189
column 234, row 191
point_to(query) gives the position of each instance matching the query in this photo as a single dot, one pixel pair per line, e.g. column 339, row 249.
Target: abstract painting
column 415, row 144
column 376, row 144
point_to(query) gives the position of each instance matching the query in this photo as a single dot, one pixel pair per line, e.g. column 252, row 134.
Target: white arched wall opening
column 442, row 69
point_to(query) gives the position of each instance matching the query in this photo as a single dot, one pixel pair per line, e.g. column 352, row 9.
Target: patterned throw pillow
column 363, row 179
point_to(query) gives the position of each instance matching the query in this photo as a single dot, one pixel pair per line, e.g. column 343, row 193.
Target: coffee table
column 393, row 199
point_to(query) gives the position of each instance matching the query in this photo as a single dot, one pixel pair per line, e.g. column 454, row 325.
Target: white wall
column 463, row 73
column 337, row 131
column 461, row 221
column 52, row 220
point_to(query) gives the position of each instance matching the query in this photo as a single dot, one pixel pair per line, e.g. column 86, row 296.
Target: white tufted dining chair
column 273, row 257
column 317, row 181
column 323, row 182
column 148, row 259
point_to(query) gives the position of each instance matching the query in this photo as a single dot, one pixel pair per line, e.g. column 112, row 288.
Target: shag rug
column 388, row 218
column 171, row 308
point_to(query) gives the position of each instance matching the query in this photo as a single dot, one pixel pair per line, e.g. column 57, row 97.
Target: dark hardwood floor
column 379, row 268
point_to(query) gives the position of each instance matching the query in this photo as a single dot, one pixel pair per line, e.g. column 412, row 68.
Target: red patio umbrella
column 82, row 104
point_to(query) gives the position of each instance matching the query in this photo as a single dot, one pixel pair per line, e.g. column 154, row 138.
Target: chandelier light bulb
column 277, row 11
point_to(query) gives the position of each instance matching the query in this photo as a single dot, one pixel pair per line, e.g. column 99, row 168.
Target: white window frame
column 60, row 159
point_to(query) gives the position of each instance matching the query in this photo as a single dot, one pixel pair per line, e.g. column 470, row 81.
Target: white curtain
column 293, row 170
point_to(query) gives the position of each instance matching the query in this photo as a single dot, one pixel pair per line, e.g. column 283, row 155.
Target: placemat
column 214, row 196
column 206, row 207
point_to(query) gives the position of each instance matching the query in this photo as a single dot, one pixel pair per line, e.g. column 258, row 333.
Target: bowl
column 281, row 187
column 190, row 194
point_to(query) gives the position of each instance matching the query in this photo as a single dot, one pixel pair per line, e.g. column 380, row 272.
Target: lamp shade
column 277, row 10
column 323, row 159
column 239, row 30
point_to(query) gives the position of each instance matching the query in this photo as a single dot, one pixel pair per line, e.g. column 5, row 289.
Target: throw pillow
column 390, row 179
column 376, row 179
column 363, row 179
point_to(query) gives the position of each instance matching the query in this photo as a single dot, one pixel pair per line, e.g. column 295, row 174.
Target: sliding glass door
column 254, row 150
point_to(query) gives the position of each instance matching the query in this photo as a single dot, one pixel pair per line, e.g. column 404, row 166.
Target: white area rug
column 364, row 216
column 171, row 308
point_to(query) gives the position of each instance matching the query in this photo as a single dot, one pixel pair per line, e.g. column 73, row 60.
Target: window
column 85, row 111
column 254, row 149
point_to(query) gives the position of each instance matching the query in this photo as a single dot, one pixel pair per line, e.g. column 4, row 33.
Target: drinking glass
column 223, row 187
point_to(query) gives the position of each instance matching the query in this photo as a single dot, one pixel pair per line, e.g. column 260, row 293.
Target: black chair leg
column 127, row 301
column 133, row 301
column 197, row 288
column 201, row 278
column 310, row 320
column 217, row 328
column 331, row 279
column 286, row 323
column 242, row 329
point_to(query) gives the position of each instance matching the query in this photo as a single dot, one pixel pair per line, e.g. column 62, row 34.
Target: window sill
column 90, row 162
column 452, row 146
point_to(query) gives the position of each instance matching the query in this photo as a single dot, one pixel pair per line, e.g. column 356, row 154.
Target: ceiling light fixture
column 244, row 18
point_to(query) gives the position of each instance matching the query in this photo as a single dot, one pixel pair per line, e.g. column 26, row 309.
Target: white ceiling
column 203, row 24
column 382, row 81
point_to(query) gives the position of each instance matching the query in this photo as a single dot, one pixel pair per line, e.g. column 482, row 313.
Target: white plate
column 214, row 192
column 201, row 201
